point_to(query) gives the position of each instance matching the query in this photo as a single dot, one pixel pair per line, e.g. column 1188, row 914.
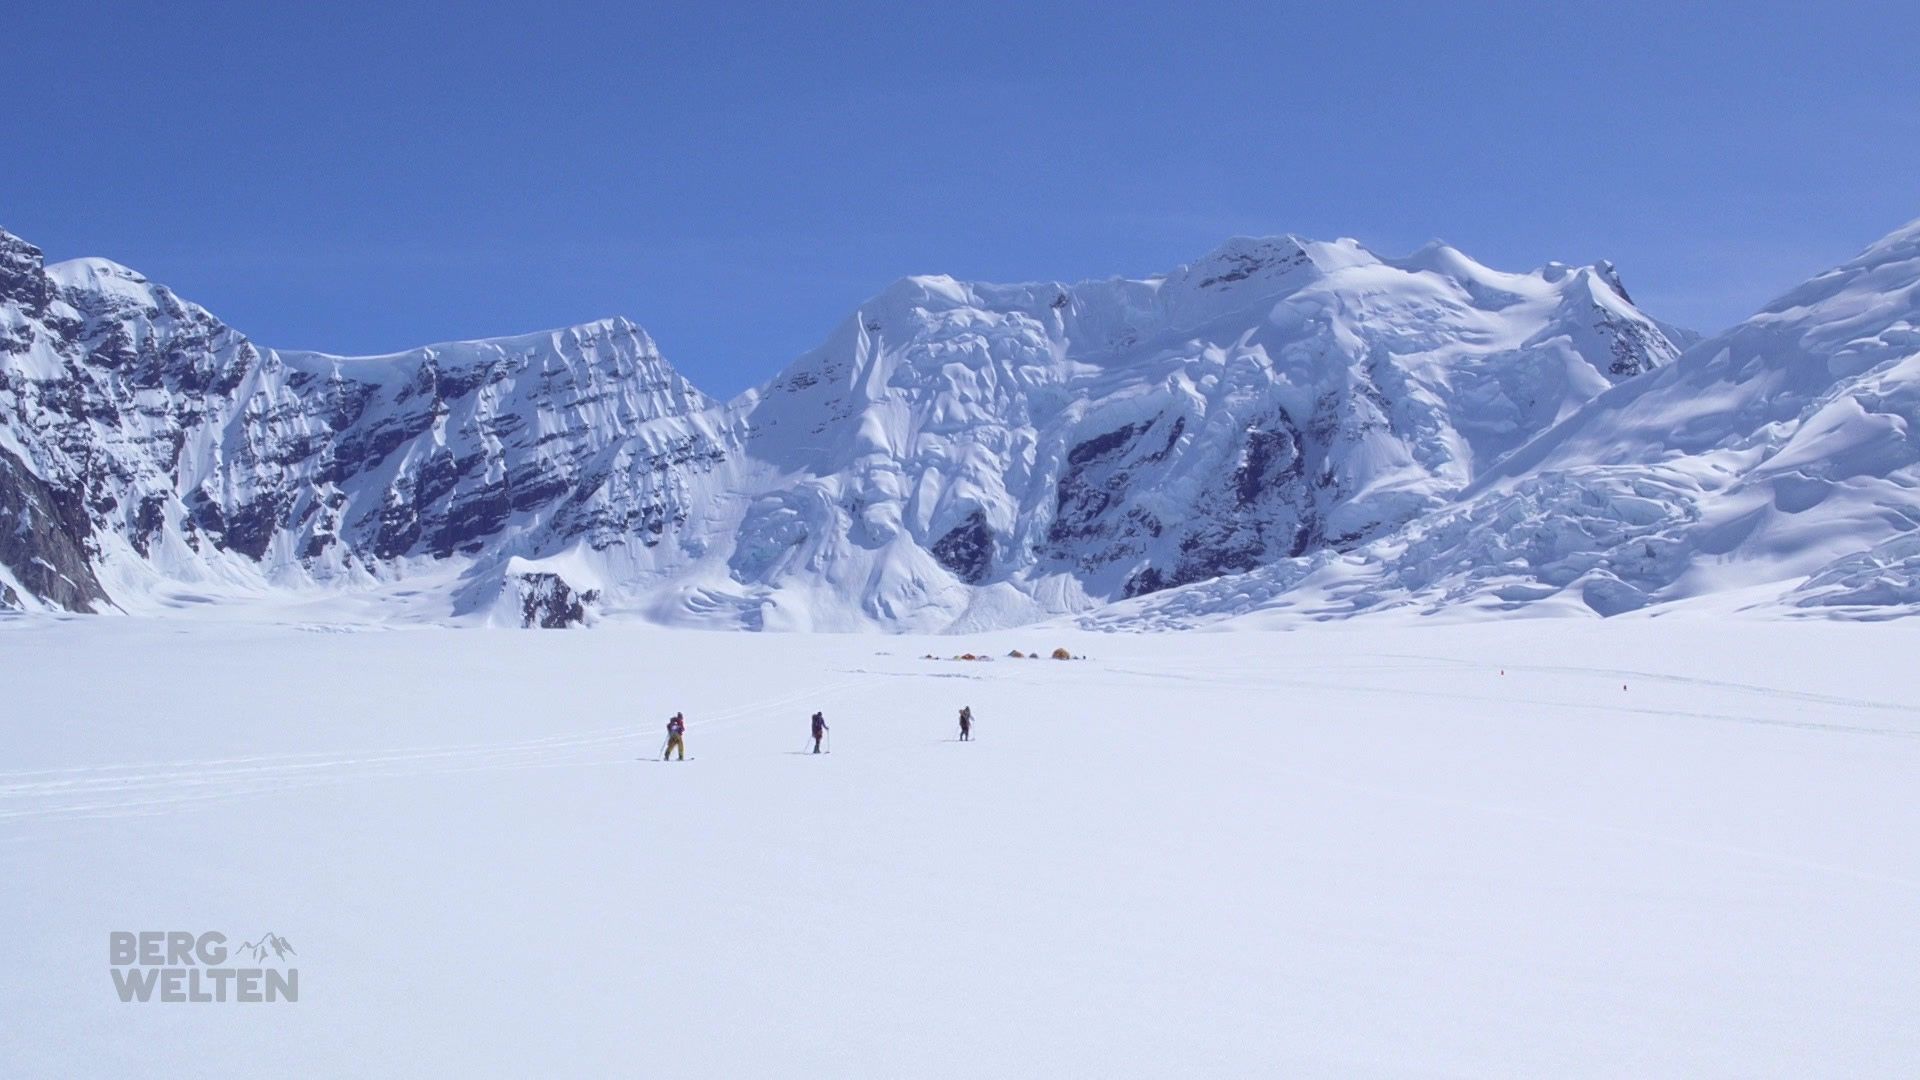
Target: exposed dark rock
column 1143, row 582
column 1633, row 346
column 22, row 277
column 44, row 540
column 1083, row 493
column 967, row 549
column 251, row 526
column 1270, row 456
column 146, row 523
column 547, row 602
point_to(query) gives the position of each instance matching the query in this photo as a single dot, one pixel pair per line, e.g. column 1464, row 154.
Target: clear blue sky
column 365, row 177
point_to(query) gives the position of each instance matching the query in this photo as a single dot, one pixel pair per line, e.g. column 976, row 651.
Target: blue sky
column 362, row 178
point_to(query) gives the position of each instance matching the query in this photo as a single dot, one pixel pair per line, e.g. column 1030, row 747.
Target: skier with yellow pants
column 676, row 737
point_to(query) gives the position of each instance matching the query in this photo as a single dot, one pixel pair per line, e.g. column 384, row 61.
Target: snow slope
column 1638, row 847
column 1781, row 456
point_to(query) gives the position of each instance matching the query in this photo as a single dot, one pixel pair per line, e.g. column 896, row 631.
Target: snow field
column 1366, row 850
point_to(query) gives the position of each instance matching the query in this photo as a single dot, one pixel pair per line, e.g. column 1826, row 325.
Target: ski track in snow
column 1689, row 680
column 155, row 787
column 915, row 674
column 1509, row 703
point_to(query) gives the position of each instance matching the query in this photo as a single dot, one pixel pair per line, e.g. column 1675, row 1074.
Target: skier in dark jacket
column 676, row 737
column 966, row 723
column 819, row 730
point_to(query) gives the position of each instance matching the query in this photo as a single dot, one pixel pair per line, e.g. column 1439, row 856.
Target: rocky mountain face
column 1781, row 457
column 954, row 455
column 143, row 441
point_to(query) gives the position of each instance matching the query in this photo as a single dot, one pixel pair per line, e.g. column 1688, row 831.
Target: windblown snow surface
column 1677, row 846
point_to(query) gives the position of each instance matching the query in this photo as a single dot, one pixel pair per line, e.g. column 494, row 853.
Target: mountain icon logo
column 282, row 948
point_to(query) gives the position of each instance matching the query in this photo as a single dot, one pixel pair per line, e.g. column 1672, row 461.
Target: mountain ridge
column 955, row 454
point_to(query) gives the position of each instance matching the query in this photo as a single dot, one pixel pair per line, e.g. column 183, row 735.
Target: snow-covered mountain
column 966, row 454
column 1782, row 456
column 144, row 442
column 954, row 455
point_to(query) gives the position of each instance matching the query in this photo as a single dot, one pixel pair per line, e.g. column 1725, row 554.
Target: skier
column 676, row 732
column 819, row 730
column 966, row 723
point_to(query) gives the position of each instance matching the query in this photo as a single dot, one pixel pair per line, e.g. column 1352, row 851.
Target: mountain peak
column 924, row 290
column 90, row 268
column 1247, row 260
column 104, row 288
column 11, row 243
column 1439, row 257
column 23, row 273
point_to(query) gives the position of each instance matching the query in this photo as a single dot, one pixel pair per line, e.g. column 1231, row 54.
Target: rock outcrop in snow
column 549, row 602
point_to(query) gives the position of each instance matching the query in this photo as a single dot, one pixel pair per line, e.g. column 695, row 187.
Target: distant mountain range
column 1282, row 429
